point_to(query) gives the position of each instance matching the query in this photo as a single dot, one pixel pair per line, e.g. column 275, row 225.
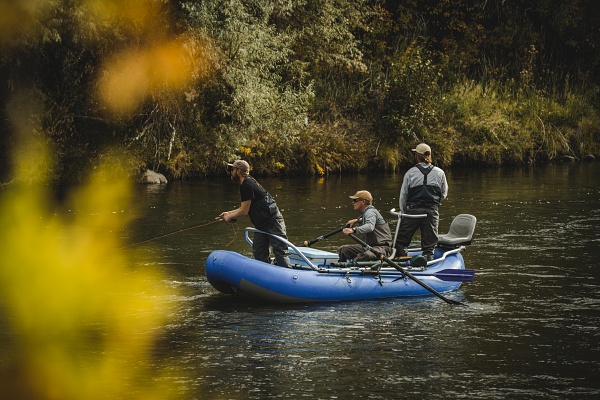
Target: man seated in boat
column 371, row 225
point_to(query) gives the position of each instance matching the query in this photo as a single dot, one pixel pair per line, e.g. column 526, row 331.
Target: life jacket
column 424, row 195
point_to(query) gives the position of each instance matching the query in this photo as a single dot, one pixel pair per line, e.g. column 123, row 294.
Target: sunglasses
column 355, row 200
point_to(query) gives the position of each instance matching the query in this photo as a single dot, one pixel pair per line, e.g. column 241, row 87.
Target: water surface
column 532, row 328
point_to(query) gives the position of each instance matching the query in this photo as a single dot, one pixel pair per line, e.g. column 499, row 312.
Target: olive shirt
column 376, row 233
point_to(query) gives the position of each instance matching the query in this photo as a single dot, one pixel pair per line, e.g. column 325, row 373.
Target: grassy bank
column 486, row 124
column 495, row 124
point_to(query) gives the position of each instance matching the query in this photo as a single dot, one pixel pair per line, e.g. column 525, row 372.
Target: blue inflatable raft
column 317, row 276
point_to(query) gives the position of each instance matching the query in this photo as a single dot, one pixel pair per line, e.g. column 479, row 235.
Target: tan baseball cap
column 241, row 165
column 422, row 148
column 363, row 195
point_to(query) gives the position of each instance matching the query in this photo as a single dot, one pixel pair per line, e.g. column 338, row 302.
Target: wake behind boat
column 317, row 276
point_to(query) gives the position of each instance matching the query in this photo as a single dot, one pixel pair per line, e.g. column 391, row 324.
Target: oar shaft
column 404, row 271
column 309, row 243
column 350, row 264
column 448, row 275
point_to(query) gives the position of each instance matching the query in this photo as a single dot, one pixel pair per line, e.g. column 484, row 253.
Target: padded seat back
column 460, row 232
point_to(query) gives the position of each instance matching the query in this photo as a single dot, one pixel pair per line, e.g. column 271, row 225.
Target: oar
column 448, row 275
column 405, row 272
column 455, row 275
column 349, row 264
column 309, row 243
column 217, row 219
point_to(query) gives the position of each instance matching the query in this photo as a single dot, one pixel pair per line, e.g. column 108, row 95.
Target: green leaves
column 262, row 94
column 185, row 85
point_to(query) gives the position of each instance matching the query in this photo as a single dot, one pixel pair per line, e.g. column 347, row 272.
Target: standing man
column 423, row 189
column 374, row 228
column 260, row 206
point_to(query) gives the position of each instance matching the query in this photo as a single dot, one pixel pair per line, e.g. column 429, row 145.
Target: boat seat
column 460, row 232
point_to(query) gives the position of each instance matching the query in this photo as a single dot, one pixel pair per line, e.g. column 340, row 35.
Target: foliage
column 565, row 32
column 186, row 85
column 411, row 98
column 260, row 93
column 344, row 146
column 490, row 124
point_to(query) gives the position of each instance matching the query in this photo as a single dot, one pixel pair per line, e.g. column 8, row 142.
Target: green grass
column 495, row 124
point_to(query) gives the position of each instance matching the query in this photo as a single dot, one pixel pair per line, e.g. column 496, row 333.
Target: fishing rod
column 201, row 224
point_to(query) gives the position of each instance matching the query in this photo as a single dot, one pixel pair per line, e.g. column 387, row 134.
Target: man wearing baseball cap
column 240, row 165
column 371, row 224
column 260, row 206
column 423, row 189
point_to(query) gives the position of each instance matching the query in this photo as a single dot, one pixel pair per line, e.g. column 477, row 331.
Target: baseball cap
column 240, row 164
column 363, row 195
column 422, row 148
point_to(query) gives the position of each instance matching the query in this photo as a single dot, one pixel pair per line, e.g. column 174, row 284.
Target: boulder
column 153, row 177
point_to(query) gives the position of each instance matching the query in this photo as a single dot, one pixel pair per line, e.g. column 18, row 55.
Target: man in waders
column 423, row 189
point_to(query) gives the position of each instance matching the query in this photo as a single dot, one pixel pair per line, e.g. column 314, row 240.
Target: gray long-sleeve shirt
column 374, row 228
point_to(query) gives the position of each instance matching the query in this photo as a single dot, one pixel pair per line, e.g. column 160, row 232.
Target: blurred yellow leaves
column 19, row 16
column 160, row 64
column 149, row 60
column 78, row 319
column 130, row 76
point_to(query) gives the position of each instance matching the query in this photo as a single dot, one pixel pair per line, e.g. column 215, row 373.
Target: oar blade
column 455, row 275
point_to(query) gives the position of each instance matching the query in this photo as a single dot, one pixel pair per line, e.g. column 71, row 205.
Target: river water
column 532, row 328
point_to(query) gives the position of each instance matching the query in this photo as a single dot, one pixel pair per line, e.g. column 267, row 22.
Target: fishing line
column 235, row 230
column 177, row 231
